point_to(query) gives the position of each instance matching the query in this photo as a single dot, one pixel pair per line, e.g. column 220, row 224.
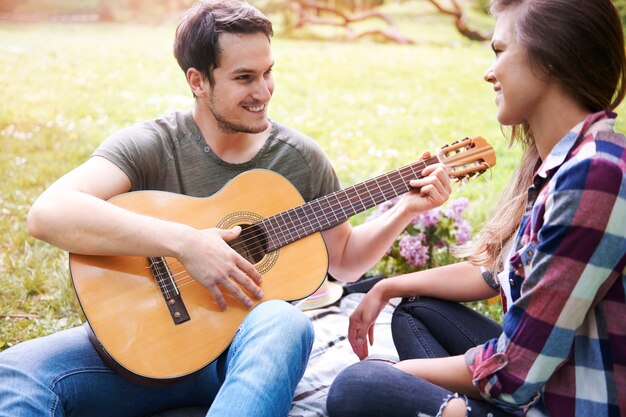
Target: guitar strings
column 256, row 250
column 335, row 204
column 186, row 279
column 394, row 179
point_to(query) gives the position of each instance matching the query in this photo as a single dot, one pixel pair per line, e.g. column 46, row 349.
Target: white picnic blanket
column 331, row 353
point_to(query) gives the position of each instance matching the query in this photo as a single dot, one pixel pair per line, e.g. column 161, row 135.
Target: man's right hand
column 214, row 264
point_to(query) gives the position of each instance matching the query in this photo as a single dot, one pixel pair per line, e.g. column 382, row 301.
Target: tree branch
column 309, row 11
column 460, row 20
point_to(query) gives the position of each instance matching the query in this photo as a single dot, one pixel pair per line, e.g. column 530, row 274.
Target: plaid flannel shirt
column 563, row 347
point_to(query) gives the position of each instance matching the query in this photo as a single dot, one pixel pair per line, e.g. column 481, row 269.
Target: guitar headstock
column 468, row 157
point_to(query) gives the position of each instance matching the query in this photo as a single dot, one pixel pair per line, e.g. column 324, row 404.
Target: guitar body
column 125, row 306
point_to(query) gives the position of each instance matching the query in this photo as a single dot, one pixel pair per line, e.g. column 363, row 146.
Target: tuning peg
column 483, row 171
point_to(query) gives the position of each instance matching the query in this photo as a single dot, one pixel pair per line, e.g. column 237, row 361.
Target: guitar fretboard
column 335, row 208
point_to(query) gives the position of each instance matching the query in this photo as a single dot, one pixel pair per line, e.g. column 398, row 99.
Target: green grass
column 371, row 106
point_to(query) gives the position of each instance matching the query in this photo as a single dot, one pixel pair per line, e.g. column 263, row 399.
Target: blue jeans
column 422, row 328
column 62, row 374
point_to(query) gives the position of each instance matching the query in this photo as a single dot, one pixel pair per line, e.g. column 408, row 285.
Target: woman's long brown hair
column 581, row 47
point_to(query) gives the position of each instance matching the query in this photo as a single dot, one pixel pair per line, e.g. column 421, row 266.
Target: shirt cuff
column 483, row 364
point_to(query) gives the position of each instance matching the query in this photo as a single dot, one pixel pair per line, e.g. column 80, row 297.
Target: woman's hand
column 362, row 320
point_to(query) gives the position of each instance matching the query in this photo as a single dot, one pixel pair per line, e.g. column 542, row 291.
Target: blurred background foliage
column 158, row 11
column 155, row 11
column 354, row 18
column 148, row 10
column 296, row 14
column 99, row 10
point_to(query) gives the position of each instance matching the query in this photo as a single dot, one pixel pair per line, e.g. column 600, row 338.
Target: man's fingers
column 438, row 181
column 237, row 292
column 217, row 296
column 247, row 282
column 444, row 179
column 229, row 234
column 249, row 270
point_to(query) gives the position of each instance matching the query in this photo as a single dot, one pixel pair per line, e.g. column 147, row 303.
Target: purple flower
column 463, row 232
column 413, row 250
column 456, row 208
column 428, row 219
column 427, row 240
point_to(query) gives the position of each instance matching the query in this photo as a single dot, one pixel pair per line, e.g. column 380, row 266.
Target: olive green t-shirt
column 169, row 154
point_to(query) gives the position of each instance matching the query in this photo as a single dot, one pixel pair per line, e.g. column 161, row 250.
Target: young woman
column 555, row 248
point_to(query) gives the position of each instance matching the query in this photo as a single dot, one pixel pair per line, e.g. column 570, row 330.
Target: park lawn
column 371, row 106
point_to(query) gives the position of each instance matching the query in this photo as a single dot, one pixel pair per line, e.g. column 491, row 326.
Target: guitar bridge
column 169, row 289
column 177, row 310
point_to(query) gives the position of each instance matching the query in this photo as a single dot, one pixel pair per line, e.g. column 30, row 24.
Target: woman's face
column 519, row 87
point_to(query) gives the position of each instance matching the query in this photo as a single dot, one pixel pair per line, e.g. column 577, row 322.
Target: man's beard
column 231, row 127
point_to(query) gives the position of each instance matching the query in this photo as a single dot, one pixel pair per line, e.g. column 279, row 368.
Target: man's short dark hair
column 196, row 44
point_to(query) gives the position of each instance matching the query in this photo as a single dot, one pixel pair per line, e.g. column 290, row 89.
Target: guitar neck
column 335, row 208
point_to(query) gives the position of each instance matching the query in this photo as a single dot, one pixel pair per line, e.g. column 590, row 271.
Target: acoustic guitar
column 155, row 321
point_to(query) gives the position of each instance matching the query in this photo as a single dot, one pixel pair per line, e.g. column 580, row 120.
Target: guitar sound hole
column 251, row 243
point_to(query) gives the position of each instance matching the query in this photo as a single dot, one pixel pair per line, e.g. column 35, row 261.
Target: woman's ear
column 196, row 81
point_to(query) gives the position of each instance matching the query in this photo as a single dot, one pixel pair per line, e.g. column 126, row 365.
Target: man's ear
column 196, row 81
